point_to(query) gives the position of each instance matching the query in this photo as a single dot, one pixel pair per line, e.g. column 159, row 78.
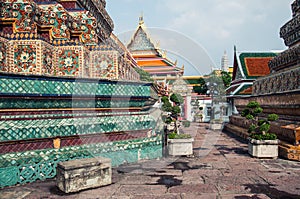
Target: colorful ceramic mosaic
column 25, row 59
column 45, row 128
column 48, row 57
column 86, row 65
column 17, row 103
column 104, row 64
column 3, row 55
column 56, row 114
column 55, row 16
column 69, row 61
column 86, row 24
column 55, row 95
column 30, row 166
column 97, row 9
column 70, row 87
column 20, row 14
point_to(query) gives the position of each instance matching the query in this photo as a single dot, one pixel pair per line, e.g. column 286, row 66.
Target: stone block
column 180, row 146
column 81, row 174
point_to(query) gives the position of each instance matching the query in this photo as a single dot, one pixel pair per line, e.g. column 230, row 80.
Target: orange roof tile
column 257, row 66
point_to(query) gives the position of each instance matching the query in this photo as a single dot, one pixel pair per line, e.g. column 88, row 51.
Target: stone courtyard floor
column 220, row 168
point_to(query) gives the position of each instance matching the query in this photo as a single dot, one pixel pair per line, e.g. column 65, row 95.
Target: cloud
column 218, row 18
column 216, row 25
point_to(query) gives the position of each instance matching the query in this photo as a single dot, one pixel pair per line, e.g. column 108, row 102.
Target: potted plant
column 262, row 144
column 180, row 144
column 216, row 124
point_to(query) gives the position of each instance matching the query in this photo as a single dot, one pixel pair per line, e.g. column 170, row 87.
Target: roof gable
column 255, row 64
column 251, row 65
column 141, row 41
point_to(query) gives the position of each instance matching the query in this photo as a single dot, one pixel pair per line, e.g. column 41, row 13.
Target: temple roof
column 247, row 67
column 251, row 65
column 148, row 56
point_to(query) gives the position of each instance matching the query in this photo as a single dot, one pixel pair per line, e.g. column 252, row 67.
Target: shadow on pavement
column 271, row 191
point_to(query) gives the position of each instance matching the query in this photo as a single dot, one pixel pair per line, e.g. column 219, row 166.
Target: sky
column 197, row 32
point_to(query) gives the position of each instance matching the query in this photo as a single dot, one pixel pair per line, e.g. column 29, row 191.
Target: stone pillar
column 188, row 106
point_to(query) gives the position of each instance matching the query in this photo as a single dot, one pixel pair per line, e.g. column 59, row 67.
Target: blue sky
column 197, row 32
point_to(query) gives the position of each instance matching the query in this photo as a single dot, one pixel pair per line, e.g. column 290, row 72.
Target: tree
column 226, row 77
column 164, row 99
column 167, row 106
column 202, row 88
column 144, row 76
column 177, row 98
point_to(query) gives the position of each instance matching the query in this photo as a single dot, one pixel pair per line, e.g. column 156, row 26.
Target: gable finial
column 141, row 19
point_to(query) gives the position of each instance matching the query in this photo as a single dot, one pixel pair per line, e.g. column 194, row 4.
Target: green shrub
column 169, row 120
column 264, row 127
column 178, row 136
column 164, row 99
column 245, row 112
column 267, row 136
column 252, row 128
column 186, row 123
column 253, row 105
column 273, row 117
column 249, row 117
column 257, row 110
column 260, row 127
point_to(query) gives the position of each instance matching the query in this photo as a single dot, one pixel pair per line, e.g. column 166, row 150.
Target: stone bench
column 76, row 175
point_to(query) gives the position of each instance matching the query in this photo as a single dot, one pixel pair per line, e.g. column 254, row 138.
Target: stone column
column 188, row 107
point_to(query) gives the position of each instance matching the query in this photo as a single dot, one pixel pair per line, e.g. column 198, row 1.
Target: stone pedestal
column 216, row 125
column 180, row 146
column 76, row 175
column 263, row 148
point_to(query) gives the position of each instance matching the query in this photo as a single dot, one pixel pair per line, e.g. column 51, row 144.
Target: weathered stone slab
column 76, row 175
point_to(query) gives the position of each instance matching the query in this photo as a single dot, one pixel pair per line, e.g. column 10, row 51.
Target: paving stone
column 13, row 194
column 192, row 177
column 130, row 190
column 164, row 196
column 199, row 196
column 136, row 179
column 220, row 165
column 194, row 188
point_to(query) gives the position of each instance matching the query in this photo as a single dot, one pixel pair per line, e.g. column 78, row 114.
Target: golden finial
column 164, row 54
column 175, row 62
column 158, row 45
column 141, row 19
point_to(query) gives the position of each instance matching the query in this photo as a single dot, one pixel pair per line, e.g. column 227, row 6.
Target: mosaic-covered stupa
column 68, row 90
